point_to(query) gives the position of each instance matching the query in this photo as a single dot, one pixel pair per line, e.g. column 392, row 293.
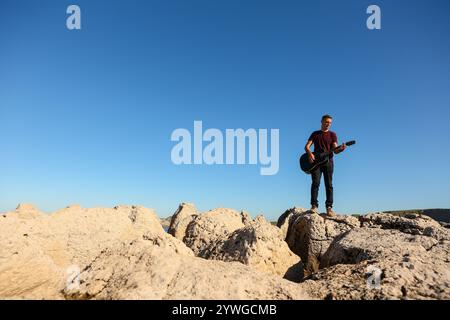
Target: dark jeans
column 327, row 170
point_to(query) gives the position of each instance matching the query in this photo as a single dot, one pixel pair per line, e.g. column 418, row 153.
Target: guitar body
column 308, row 167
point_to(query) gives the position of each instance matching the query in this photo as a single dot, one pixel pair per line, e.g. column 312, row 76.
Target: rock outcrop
column 38, row 251
column 286, row 219
column 345, row 256
column 309, row 235
column 410, row 223
column 143, row 270
column 246, row 218
column 212, row 227
column 119, row 253
column 124, row 253
column 184, row 215
column 229, row 235
column 406, row 266
column 261, row 246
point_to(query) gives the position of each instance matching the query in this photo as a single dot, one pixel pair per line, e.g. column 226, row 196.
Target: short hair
column 327, row 116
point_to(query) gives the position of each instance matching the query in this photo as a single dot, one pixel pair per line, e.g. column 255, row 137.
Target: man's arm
column 335, row 144
column 308, row 151
column 340, row 149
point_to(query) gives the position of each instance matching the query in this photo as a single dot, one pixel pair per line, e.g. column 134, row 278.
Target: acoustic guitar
column 321, row 159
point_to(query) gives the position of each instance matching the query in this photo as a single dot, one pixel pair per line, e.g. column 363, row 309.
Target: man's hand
column 340, row 148
column 311, row 157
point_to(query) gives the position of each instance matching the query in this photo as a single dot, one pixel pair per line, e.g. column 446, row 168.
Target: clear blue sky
column 86, row 116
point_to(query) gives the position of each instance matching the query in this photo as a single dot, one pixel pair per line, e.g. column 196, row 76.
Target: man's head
column 326, row 122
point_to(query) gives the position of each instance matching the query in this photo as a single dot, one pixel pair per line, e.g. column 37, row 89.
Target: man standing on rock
column 324, row 140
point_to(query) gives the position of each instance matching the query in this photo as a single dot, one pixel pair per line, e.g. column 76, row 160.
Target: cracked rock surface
column 142, row 270
column 124, row 253
column 119, row 253
column 388, row 257
column 261, row 246
column 310, row 235
column 39, row 251
column 227, row 235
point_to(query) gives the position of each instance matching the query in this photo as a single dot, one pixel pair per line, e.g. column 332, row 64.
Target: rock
column 246, row 218
column 224, row 234
column 440, row 215
column 25, row 207
column 124, row 253
column 27, row 271
column 374, row 244
column 286, row 219
column 408, row 266
column 37, row 253
column 142, row 270
column 26, row 211
column 211, row 227
column 261, row 246
column 409, row 223
column 185, row 213
column 309, row 236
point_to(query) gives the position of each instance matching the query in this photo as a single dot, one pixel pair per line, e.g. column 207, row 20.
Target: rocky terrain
column 440, row 215
column 124, row 253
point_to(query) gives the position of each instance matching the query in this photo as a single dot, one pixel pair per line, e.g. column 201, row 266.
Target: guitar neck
column 349, row 143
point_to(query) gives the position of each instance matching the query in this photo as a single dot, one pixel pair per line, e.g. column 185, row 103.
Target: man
column 323, row 140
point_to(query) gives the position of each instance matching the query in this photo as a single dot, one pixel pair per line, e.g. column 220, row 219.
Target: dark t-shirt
column 323, row 141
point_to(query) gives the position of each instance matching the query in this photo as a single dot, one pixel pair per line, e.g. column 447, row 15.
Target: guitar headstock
column 349, row 143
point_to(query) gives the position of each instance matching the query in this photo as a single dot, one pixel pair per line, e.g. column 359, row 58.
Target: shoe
column 314, row 210
column 330, row 212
